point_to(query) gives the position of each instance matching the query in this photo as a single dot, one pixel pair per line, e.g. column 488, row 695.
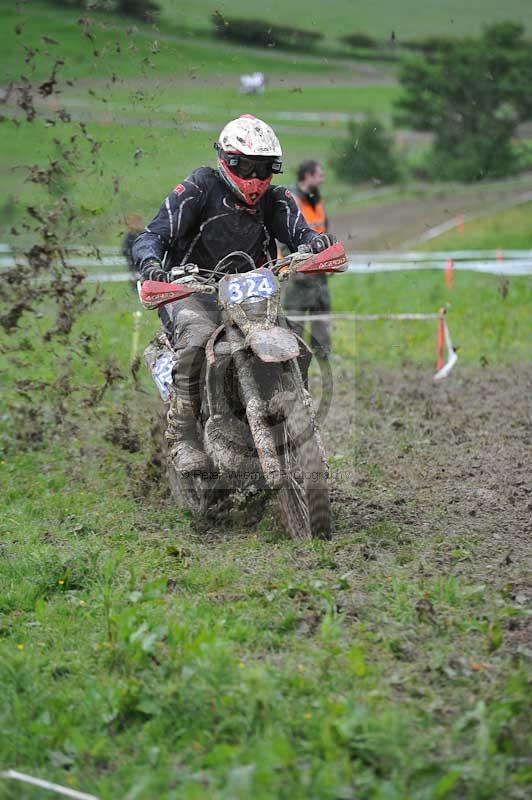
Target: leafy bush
column 359, row 40
column 140, row 9
column 366, row 155
column 472, row 95
column 261, row 33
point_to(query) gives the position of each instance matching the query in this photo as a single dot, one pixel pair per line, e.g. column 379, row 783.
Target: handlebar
column 187, row 279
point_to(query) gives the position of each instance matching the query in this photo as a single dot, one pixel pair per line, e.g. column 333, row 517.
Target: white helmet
column 250, row 136
column 249, row 154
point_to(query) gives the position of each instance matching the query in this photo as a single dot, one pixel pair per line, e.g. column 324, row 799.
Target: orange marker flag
column 449, row 269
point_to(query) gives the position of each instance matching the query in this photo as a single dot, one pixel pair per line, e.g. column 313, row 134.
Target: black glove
column 322, row 241
column 152, row 270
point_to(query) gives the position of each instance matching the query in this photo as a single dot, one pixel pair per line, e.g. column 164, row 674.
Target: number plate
column 253, row 286
column 162, row 374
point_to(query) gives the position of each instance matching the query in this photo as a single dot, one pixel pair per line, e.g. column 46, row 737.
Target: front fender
column 273, row 344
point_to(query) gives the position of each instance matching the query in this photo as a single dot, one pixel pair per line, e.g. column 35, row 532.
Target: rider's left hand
column 322, row 242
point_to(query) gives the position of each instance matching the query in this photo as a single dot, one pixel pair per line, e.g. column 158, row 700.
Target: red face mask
column 250, row 190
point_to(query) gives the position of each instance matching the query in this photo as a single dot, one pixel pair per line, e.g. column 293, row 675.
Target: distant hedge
column 359, row 40
column 263, row 34
column 429, row 45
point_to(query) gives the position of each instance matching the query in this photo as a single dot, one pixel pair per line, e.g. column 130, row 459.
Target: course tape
column 443, row 369
column 103, row 266
column 360, row 317
column 52, row 787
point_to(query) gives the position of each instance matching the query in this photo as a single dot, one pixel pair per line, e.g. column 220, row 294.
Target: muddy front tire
column 304, row 498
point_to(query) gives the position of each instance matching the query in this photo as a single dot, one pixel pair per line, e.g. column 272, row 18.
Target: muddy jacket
column 201, row 221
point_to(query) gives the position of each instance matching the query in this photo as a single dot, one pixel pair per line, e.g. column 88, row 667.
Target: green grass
column 101, row 204
column 118, row 91
column 410, row 19
column 127, row 49
column 141, row 657
column 168, row 156
column 486, row 327
column 219, row 103
column 138, row 660
column 510, row 230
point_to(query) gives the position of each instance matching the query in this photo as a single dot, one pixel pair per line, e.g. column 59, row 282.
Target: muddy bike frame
column 253, row 324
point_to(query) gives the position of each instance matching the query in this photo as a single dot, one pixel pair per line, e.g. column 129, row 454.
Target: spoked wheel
column 304, row 498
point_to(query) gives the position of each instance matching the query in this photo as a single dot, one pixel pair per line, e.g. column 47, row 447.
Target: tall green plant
column 472, row 95
column 366, row 154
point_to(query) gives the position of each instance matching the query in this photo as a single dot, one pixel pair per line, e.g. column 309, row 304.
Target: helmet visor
column 246, row 167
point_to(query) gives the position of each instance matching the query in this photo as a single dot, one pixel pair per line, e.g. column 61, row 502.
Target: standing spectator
column 135, row 226
column 309, row 294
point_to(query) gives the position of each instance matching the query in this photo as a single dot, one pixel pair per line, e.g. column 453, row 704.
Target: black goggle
column 246, row 167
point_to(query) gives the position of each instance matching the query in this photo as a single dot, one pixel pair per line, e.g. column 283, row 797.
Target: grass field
column 167, row 155
column 488, row 316
column 129, row 50
column 145, row 655
column 153, row 104
column 486, row 327
column 412, row 19
column 509, row 229
column 151, row 94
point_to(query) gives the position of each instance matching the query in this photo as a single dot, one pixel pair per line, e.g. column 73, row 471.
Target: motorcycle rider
column 210, row 214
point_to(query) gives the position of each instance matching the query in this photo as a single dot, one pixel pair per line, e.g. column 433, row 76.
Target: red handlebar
column 333, row 259
column 154, row 294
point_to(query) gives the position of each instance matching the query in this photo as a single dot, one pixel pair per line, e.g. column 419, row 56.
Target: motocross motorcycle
column 258, row 422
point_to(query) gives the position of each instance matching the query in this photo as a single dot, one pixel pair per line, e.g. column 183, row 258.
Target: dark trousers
column 189, row 324
column 309, row 294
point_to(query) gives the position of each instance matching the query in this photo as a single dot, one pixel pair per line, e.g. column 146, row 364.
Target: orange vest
column 314, row 217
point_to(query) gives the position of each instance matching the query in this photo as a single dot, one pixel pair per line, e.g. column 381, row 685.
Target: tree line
column 471, row 95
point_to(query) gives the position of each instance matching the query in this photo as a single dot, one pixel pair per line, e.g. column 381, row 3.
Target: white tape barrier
column 385, row 255
column 360, row 317
column 65, row 791
column 498, row 262
column 496, row 267
column 442, row 255
column 451, row 356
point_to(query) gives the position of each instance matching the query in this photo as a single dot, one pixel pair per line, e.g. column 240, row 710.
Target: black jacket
column 201, row 221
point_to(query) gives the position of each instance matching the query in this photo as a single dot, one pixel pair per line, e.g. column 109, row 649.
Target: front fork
column 256, row 410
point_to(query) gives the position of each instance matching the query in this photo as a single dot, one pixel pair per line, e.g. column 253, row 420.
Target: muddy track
column 388, row 225
column 449, row 462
